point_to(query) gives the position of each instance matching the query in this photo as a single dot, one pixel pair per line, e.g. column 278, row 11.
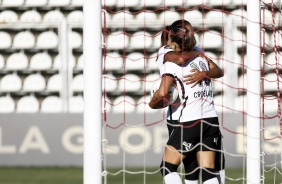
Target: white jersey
column 173, row 111
column 196, row 102
column 160, row 60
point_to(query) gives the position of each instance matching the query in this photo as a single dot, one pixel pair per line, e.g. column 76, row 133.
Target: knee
column 207, row 164
column 206, row 159
column 167, row 168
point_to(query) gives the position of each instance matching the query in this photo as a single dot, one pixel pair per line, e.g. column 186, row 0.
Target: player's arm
column 197, row 76
column 161, row 96
column 215, row 71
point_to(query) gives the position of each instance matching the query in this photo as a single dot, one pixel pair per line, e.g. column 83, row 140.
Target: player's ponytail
column 164, row 35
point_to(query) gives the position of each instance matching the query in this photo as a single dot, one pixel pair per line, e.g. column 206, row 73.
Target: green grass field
column 46, row 175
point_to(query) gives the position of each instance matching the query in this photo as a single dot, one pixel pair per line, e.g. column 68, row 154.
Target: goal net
column 134, row 135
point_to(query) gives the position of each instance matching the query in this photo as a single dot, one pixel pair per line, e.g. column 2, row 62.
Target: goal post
column 253, row 92
column 92, row 37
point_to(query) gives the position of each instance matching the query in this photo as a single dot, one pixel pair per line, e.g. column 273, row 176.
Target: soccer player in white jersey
column 173, row 111
column 196, row 107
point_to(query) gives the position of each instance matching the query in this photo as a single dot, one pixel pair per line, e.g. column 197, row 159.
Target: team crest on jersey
column 188, row 146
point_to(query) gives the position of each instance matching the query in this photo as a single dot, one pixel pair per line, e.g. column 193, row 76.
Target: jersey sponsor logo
column 188, row 146
column 205, row 93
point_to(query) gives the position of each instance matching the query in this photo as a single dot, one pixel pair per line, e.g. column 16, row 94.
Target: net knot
column 104, row 173
column 105, row 141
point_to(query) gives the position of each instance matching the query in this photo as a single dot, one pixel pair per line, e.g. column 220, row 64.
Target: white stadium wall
column 57, row 140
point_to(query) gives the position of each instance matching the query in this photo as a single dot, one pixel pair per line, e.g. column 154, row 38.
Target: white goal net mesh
column 134, row 135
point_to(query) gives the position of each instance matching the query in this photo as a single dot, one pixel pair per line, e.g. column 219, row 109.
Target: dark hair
column 180, row 23
column 164, row 36
column 177, row 23
column 180, row 35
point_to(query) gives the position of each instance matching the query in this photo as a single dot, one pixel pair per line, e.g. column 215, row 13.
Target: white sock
column 191, row 181
column 212, row 181
column 222, row 176
column 172, row 178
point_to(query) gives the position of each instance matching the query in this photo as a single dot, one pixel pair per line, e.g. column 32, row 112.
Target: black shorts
column 190, row 162
column 196, row 136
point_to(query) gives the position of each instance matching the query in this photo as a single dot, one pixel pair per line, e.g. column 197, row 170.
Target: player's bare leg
column 206, row 161
column 171, row 160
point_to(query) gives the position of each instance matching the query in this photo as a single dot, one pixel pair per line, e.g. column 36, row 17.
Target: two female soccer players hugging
column 195, row 136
